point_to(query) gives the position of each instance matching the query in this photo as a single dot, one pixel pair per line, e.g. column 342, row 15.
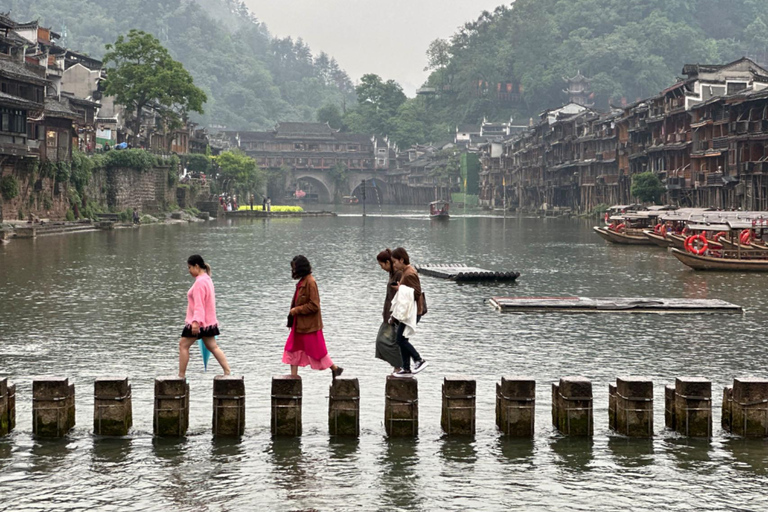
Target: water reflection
column 573, row 452
column 750, row 455
column 112, row 450
column 48, row 455
column 458, row 450
column 226, row 449
column 289, row 467
column 631, row 452
column 399, row 479
column 690, row 453
column 343, row 448
column 513, row 450
column 170, row 450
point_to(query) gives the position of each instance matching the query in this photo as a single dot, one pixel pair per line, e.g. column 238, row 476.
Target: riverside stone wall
column 38, row 196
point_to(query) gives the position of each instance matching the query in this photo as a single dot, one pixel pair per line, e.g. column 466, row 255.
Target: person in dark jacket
column 387, row 348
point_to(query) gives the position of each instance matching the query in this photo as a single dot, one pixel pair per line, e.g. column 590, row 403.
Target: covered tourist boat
column 734, row 252
column 629, row 228
column 439, row 209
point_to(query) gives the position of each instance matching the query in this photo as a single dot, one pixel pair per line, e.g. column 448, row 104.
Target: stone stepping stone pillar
column 344, row 407
column 749, row 407
column 458, row 415
column 693, row 406
column 401, row 407
column 572, row 406
column 612, row 406
column 5, row 420
column 11, row 406
column 112, row 408
column 53, row 406
column 669, row 407
column 726, row 420
column 286, row 405
column 634, row 406
column 228, row 406
column 516, row 406
column 171, row 407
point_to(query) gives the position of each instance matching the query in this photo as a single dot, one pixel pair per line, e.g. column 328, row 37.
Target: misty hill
column 513, row 60
column 252, row 79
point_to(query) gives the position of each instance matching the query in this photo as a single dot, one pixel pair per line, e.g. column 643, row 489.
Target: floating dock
column 278, row 215
column 463, row 273
column 612, row 305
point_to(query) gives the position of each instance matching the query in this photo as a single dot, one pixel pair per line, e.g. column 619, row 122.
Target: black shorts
column 205, row 332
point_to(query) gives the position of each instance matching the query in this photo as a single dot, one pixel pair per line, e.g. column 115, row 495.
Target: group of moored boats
column 701, row 238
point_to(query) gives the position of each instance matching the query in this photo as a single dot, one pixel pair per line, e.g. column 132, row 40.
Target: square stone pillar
column 749, row 416
column 228, row 406
column 693, row 406
column 634, row 406
column 669, row 407
column 516, row 406
column 52, row 406
column 11, row 406
column 555, row 403
column 5, row 423
column 612, row 406
column 458, row 415
column 344, row 407
column 112, row 415
column 171, row 407
column 401, row 407
column 574, row 406
column 726, row 421
column 286, row 405
column 71, row 407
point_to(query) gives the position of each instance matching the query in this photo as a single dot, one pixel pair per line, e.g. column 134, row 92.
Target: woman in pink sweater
column 201, row 316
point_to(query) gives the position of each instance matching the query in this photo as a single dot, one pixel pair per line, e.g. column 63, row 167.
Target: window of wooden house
column 314, row 147
column 6, row 122
column 298, row 146
column 4, row 87
column 51, row 138
column 353, row 147
column 337, row 147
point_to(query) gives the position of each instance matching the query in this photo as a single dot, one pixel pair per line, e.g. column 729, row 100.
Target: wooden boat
column 661, row 241
column 750, row 261
column 350, row 200
column 630, row 237
column 439, row 209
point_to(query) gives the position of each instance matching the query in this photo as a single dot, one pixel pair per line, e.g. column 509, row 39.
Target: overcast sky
column 385, row 37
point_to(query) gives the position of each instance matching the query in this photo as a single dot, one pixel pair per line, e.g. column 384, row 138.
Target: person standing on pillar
column 387, row 348
column 402, row 263
column 269, row 204
column 252, row 198
column 306, row 345
column 201, row 322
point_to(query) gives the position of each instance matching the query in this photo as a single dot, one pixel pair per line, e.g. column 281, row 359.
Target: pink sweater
column 201, row 307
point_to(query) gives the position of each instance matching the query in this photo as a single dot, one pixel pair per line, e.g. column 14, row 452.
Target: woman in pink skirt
column 306, row 344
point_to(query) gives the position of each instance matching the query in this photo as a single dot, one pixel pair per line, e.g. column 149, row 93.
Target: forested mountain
column 512, row 61
column 252, row 79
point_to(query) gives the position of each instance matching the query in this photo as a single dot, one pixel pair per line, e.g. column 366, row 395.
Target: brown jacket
column 306, row 307
column 410, row 278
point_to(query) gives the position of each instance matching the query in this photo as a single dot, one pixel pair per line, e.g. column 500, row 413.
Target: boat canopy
column 709, row 227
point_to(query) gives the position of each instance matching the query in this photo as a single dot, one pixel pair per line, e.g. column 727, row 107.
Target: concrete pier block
column 112, row 414
column 228, row 406
column 555, row 403
column 344, row 407
column 458, row 414
column 401, row 407
column 5, row 426
column 286, row 405
column 669, row 407
column 749, row 408
column 726, row 421
column 612, row 406
column 171, row 407
column 11, row 406
column 634, row 406
column 693, row 406
column 574, row 406
column 52, row 406
column 516, row 406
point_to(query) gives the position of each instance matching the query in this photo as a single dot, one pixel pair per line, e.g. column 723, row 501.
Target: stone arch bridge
column 327, row 188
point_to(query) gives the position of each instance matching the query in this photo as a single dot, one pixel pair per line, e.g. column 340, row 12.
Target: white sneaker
column 420, row 365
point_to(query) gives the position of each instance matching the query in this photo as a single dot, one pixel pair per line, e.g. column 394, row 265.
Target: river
column 113, row 303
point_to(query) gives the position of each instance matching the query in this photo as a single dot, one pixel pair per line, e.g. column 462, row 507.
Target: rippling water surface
column 113, row 303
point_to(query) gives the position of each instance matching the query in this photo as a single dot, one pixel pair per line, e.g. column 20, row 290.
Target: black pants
column 406, row 349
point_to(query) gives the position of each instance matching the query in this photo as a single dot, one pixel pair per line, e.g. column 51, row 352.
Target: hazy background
column 366, row 36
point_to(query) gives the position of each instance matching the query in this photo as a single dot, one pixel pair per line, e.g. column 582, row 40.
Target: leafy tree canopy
column 239, row 173
column 647, row 187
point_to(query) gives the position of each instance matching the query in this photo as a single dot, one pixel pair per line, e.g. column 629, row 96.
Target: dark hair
column 385, row 256
column 300, row 267
column 197, row 260
column 401, row 254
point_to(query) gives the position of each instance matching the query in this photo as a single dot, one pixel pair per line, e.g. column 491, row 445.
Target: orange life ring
column 719, row 234
column 685, row 230
column 621, row 227
column 745, row 237
column 663, row 231
column 692, row 249
column 657, row 228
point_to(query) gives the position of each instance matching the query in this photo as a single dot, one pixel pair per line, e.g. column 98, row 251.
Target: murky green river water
column 112, row 303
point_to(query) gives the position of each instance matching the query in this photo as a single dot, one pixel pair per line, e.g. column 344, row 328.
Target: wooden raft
column 612, row 305
column 463, row 273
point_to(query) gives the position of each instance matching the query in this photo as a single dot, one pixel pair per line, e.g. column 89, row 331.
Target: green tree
column 238, row 173
column 142, row 73
column 378, row 103
column 647, row 187
column 330, row 114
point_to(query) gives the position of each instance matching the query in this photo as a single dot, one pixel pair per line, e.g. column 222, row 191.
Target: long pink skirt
column 307, row 349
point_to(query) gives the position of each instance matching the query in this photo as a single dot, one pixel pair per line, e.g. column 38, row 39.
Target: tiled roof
column 314, row 130
column 15, row 101
column 56, row 108
column 14, row 70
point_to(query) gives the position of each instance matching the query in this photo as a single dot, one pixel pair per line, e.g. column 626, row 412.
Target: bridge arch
column 375, row 190
column 316, row 184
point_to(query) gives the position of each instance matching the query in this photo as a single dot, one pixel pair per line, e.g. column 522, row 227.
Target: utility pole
column 363, row 198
